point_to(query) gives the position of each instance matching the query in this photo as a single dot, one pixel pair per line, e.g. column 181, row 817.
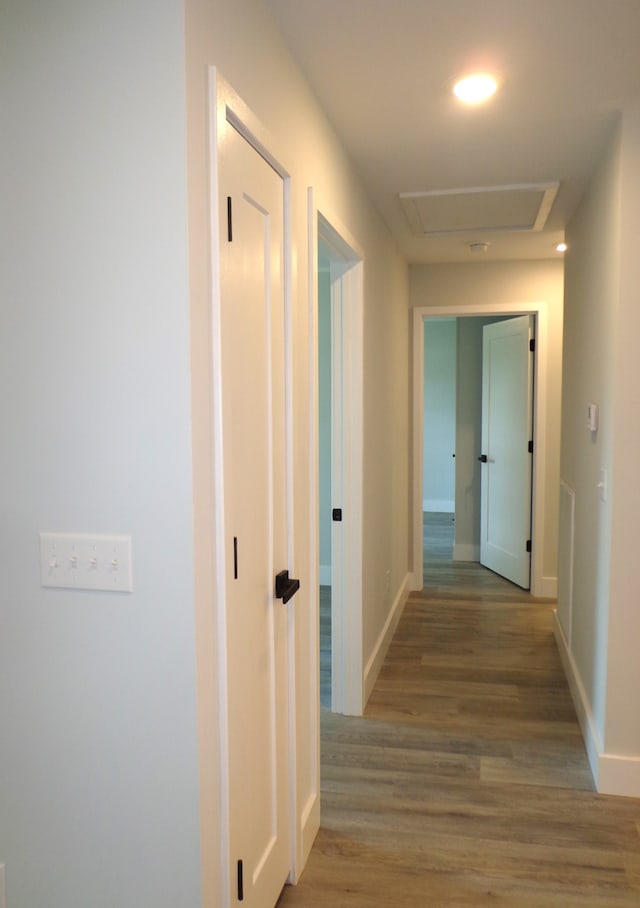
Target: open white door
column 252, row 327
column 507, row 396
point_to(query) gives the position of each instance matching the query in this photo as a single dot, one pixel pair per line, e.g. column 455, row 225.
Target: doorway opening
column 461, row 550
column 338, row 336
column 478, row 393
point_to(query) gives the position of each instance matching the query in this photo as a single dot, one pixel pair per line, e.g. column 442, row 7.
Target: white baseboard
column 613, row 774
column 439, row 505
column 579, row 696
column 619, row 775
column 374, row 663
column 325, row 575
column 549, row 588
column 464, row 552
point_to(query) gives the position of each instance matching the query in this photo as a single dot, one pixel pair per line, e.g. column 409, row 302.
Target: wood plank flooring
column 466, row 784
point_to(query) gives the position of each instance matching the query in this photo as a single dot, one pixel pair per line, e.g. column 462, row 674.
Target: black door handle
column 483, row 458
column 286, row 586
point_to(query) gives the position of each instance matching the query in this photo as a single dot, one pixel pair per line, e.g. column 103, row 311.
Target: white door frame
column 227, row 108
column 347, row 666
column 541, row 311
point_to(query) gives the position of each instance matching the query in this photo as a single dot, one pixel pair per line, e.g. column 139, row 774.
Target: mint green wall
column 439, row 414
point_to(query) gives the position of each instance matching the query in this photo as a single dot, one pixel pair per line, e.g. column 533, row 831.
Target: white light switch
column 592, row 417
column 83, row 562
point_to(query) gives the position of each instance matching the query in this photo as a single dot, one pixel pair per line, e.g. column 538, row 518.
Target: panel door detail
column 252, row 317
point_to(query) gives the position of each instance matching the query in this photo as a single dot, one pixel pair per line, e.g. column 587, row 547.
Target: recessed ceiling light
column 561, row 247
column 476, row 88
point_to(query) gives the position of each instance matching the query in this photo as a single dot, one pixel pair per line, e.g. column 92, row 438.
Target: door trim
column 227, row 108
column 539, row 585
column 347, row 668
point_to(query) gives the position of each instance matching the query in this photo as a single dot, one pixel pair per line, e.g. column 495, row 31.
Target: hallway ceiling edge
column 383, row 72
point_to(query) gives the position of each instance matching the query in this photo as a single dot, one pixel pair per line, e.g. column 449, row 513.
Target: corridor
column 466, row 782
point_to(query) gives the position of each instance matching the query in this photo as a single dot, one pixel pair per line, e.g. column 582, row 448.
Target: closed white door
column 507, row 394
column 255, row 514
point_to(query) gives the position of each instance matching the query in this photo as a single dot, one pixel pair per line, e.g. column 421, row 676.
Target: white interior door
column 507, row 395
column 255, row 517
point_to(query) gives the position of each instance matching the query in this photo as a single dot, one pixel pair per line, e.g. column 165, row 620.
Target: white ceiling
column 382, row 70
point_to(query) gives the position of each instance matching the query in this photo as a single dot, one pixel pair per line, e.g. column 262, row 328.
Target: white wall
column 438, row 489
column 600, row 356
column 495, row 285
column 98, row 765
column 622, row 731
column 237, row 36
column 591, row 279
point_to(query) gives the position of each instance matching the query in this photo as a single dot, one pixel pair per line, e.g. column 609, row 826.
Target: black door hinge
column 336, row 514
column 528, row 545
column 235, row 557
column 240, row 882
column 229, row 220
column 532, row 345
column 530, row 447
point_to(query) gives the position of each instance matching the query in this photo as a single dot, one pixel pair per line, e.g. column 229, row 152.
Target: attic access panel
column 519, row 207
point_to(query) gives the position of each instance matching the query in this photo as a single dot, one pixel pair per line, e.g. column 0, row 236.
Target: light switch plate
column 84, row 562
